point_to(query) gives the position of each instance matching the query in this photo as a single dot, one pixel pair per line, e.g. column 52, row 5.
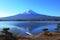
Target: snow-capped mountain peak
column 29, row 12
column 30, row 15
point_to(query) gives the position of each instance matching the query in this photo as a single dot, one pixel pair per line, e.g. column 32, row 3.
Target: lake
column 33, row 27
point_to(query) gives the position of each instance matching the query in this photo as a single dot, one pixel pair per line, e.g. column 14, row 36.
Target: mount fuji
column 30, row 16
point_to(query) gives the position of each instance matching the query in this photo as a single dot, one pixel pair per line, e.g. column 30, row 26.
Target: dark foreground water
column 34, row 27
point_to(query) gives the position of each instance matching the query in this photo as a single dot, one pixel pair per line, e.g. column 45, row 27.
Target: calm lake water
column 33, row 27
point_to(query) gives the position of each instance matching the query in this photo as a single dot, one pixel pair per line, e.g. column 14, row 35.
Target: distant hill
column 30, row 16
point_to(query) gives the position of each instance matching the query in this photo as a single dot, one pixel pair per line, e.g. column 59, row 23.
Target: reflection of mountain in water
column 33, row 27
column 30, row 26
column 31, row 16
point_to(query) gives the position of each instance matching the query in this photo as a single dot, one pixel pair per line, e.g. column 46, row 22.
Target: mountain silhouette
column 31, row 16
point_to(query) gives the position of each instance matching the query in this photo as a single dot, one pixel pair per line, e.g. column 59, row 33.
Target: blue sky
column 13, row 7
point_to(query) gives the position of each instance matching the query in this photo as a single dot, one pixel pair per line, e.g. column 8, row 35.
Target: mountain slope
column 30, row 15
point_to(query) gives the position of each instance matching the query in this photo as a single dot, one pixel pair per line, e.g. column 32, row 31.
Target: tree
column 58, row 28
column 8, row 35
column 45, row 30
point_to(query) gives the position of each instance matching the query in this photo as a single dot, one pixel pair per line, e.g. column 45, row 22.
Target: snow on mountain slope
column 29, row 15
